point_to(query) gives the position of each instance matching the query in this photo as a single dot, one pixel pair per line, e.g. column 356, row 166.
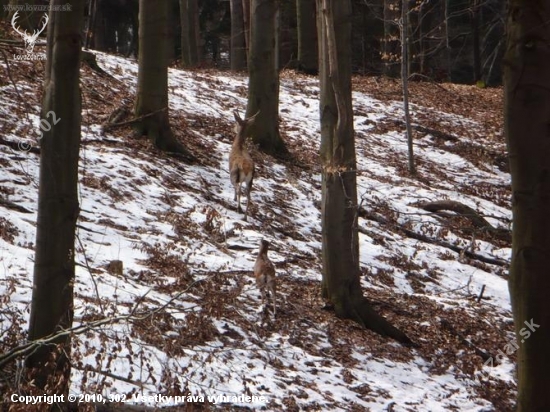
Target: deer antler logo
column 30, row 40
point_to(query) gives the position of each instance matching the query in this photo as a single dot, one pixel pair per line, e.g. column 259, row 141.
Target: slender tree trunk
column 447, row 62
column 152, row 88
column 527, row 120
column 101, row 39
column 278, row 39
column 405, row 82
column 106, row 24
column 263, row 86
column 92, row 7
column 364, row 25
column 172, row 31
column 238, row 46
column 308, row 57
column 410, row 31
column 340, row 249
column 194, row 34
column 185, row 39
column 423, row 28
column 189, row 32
column 246, row 22
column 58, row 208
column 493, row 44
column 133, row 49
column 475, row 41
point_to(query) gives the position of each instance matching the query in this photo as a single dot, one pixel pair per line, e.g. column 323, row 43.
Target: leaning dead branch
column 418, row 236
column 482, row 354
column 13, row 206
column 469, row 213
column 114, row 119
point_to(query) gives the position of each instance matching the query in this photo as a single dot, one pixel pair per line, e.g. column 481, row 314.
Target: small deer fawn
column 241, row 165
column 264, row 272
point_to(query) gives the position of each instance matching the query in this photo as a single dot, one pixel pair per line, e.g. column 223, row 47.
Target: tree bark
column 173, row 8
column 340, row 242
column 185, row 42
column 448, row 52
column 105, row 25
column 238, row 44
column 308, row 57
column 152, row 88
column 194, row 33
column 405, row 82
column 263, row 85
column 413, row 41
column 246, row 22
column 476, row 51
column 58, row 208
column 527, row 120
column 91, row 23
column 189, row 33
column 423, row 30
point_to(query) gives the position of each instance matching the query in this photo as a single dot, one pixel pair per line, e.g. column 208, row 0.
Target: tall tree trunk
column 424, row 28
column 278, row 39
column 405, row 67
column 172, row 27
column 475, row 41
column 263, row 86
column 411, row 23
column 492, row 43
column 129, row 30
column 194, row 34
column 447, row 64
column 98, row 29
column 246, row 23
column 152, row 88
column 91, row 24
column 58, row 208
column 134, row 45
column 185, row 39
column 106, row 23
column 189, row 32
column 308, row 57
column 238, row 45
column 527, row 120
column 340, row 249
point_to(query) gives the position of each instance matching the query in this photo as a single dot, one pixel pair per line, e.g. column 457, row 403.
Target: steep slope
column 185, row 312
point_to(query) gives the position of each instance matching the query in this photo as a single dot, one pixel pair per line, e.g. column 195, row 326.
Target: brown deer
column 241, row 165
column 264, row 272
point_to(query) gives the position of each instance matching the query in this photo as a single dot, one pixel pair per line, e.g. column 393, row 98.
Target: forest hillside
column 184, row 315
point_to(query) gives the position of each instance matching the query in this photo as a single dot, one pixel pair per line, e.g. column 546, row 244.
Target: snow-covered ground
column 186, row 314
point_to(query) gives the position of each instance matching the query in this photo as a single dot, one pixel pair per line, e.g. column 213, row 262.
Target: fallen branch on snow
column 466, row 211
column 383, row 221
column 13, row 206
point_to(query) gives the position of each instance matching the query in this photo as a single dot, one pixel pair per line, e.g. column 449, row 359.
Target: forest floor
column 185, row 315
